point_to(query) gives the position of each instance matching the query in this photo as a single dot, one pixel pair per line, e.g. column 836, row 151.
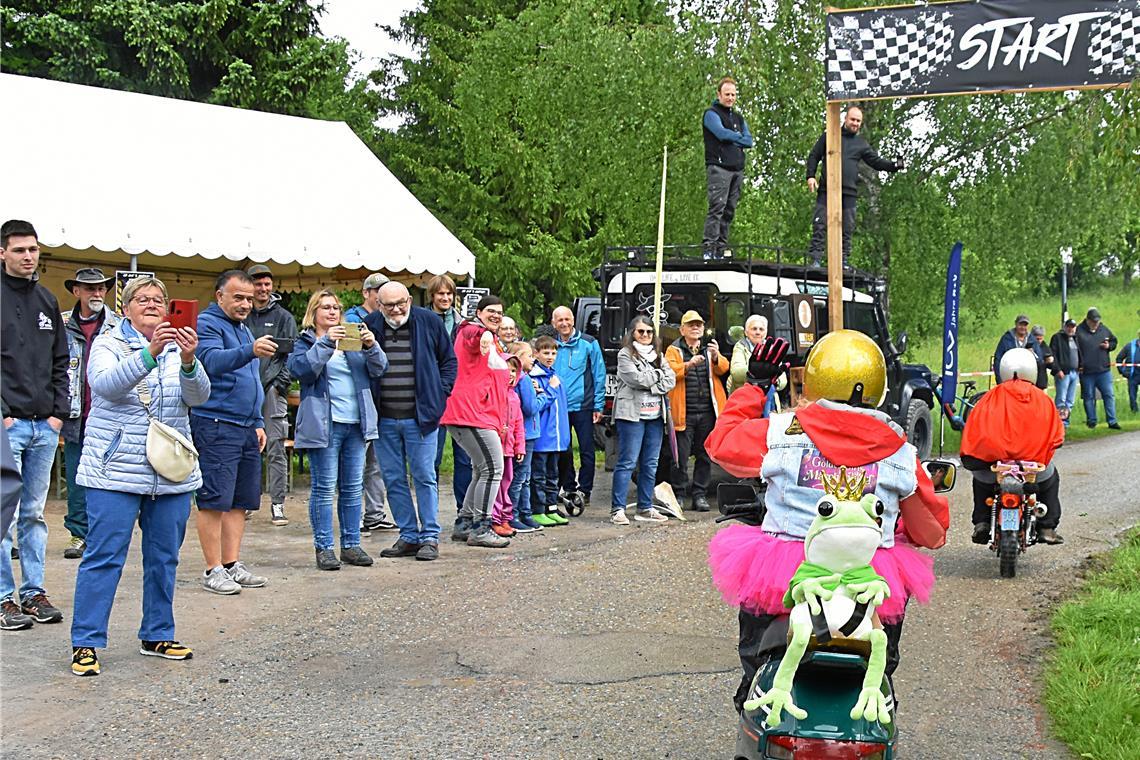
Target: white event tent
column 188, row 190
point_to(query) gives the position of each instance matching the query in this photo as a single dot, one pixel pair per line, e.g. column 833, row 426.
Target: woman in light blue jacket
column 336, row 416
column 143, row 353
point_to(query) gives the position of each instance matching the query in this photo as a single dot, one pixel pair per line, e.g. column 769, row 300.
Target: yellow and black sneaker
column 84, row 662
column 171, row 650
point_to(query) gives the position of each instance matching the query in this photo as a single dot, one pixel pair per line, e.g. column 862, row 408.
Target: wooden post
column 834, row 219
column 660, row 245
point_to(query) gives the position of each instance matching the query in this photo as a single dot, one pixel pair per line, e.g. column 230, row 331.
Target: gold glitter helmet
column 846, row 366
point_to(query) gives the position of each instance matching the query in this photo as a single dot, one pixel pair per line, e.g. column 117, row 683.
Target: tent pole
column 134, row 262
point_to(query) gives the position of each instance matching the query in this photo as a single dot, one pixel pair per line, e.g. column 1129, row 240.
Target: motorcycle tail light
column 1010, row 500
column 798, row 748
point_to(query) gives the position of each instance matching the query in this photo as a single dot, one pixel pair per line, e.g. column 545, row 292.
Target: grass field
column 1119, row 309
column 1092, row 683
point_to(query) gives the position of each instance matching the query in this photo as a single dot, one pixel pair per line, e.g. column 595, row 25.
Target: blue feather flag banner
column 949, row 386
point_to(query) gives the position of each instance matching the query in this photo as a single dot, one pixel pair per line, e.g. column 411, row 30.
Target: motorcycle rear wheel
column 1007, row 553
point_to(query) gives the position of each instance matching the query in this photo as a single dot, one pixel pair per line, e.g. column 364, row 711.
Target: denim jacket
column 76, row 379
column 314, row 415
column 791, row 469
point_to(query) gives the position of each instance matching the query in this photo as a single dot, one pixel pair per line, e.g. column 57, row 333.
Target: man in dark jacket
column 89, row 319
column 1066, row 359
column 855, row 149
column 1017, row 336
column 726, row 136
column 1096, row 343
column 1128, row 362
column 410, row 399
column 269, row 317
column 33, row 391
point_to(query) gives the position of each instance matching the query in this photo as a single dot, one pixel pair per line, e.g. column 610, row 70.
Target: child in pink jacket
column 514, row 449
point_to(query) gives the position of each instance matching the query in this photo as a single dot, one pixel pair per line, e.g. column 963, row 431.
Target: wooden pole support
column 660, row 245
column 834, row 220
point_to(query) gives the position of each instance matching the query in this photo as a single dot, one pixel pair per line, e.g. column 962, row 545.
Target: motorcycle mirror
column 900, row 343
column 942, row 474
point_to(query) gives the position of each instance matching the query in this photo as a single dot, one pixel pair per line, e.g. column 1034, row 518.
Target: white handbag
column 171, row 454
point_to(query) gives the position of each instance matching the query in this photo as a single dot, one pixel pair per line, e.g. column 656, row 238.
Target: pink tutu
column 752, row 569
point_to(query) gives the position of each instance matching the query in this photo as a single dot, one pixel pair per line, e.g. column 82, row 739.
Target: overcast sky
column 357, row 22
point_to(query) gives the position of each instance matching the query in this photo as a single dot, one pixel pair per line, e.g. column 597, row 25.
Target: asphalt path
column 590, row 641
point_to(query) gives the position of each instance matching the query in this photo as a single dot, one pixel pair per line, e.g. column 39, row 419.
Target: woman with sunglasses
column 640, row 415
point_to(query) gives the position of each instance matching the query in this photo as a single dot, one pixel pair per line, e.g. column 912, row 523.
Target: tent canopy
column 123, row 173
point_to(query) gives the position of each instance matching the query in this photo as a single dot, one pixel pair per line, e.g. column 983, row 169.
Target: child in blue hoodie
column 526, row 388
column 553, row 435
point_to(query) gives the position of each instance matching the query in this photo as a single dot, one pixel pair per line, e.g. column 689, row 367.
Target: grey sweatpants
column 276, row 414
column 486, row 452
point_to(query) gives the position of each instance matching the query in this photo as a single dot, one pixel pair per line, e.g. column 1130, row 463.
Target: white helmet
column 1020, row 363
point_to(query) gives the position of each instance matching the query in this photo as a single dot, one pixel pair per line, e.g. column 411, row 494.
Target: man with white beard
column 89, row 319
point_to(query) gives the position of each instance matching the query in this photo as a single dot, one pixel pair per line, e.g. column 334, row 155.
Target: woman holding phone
column 142, row 368
column 336, row 416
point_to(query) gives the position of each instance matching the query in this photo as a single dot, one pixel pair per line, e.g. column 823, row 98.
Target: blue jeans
column 401, row 445
column 461, row 468
column 639, row 446
column 112, row 517
column 582, row 423
column 544, row 481
column 1091, row 382
column 520, row 485
column 337, row 469
column 33, row 446
column 1066, row 391
column 1133, row 386
column 76, row 519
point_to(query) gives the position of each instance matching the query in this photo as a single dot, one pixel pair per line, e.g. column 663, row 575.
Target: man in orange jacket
column 1014, row 420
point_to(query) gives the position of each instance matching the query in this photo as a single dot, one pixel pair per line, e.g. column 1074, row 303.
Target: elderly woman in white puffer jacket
column 142, row 353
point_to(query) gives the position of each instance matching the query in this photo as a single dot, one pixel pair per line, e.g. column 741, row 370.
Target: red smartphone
column 183, row 313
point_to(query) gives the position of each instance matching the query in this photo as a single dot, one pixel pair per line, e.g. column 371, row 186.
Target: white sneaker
column 218, row 581
column 244, row 578
column 650, row 515
column 619, row 518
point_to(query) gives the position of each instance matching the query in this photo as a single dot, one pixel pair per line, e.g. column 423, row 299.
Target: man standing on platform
column 270, row 318
column 375, row 494
column 726, row 136
column 90, row 318
column 855, row 149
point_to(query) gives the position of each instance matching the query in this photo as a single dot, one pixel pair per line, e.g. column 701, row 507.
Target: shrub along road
column 588, row 641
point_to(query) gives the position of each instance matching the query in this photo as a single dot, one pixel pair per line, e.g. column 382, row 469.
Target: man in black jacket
column 1066, row 359
column 34, row 392
column 855, row 149
column 1096, row 343
column 269, row 317
column 726, row 136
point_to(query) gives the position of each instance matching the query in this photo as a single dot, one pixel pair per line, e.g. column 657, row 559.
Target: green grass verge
column 1092, row 681
column 1119, row 310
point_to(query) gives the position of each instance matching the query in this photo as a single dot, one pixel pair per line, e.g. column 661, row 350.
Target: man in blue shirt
column 229, row 431
column 1128, row 362
column 726, row 136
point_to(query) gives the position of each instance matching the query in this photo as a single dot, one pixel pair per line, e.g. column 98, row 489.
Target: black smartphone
column 284, row 346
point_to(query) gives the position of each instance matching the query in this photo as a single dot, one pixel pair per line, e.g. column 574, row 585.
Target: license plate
column 611, row 385
column 1011, row 519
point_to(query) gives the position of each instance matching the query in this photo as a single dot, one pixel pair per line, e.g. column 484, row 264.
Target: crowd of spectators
column 382, row 386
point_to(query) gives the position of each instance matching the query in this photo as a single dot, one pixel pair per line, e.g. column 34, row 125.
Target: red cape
column 1014, row 420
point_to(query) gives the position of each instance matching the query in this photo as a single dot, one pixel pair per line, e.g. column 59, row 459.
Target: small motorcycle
column 1014, row 511
column 828, row 680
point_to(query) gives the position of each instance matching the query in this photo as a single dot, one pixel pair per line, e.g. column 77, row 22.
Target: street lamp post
column 1066, row 260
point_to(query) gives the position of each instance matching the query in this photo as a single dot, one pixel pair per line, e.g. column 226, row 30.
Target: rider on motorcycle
column 838, row 425
column 1014, row 420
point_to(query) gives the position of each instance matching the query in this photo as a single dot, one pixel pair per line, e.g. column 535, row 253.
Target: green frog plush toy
column 834, row 594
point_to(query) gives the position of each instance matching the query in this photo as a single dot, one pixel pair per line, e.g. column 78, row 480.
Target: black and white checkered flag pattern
column 1114, row 44
column 887, row 55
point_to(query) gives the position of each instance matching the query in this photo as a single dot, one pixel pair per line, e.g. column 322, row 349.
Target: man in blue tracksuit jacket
column 582, row 371
column 229, row 431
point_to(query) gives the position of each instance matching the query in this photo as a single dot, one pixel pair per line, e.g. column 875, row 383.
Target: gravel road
column 590, row 641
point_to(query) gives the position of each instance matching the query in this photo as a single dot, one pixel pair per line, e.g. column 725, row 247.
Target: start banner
column 985, row 46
